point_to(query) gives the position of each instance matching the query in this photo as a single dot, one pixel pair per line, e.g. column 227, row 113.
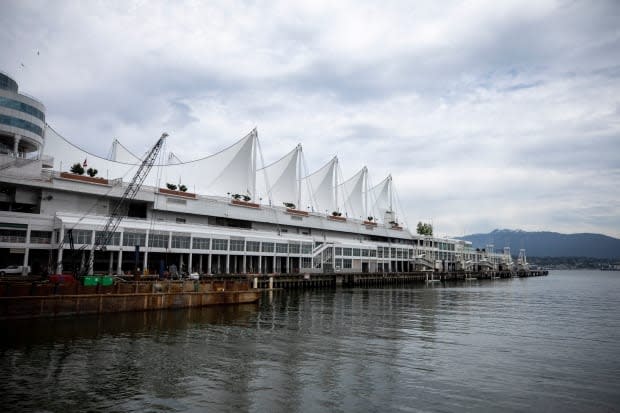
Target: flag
column 85, row 164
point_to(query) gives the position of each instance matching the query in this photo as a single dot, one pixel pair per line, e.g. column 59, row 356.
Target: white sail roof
column 278, row 181
column 353, row 192
column 121, row 154
column 318, row 188
column 232, row 170
column 380, row 198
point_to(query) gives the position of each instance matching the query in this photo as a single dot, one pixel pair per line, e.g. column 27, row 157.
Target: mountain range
column 549, row 244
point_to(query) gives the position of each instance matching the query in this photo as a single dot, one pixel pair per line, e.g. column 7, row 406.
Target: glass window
column 294, row 247
column 20, row 123
column 347, row 252
column 253, row 246
column 180, row 241
column 339, row 251
column 347, row 263
column 201, row 243
column 131, row 239
column 22, row 107
column 268, row 246
column 220, row 244
column 306, row 262
column 338, row 263
column 306, row 248
column 158, row 240
column 393, row 253
column 11, row 235
column 237, row 245
column 115, row 239
column 40, row 237
column 80, row 236
column 380, row 252
column 365, row 253
column 356, row 252
column 373, row 253
column 281, row 248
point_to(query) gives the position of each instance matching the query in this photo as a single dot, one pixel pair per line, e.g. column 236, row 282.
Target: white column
column 146, row 252
column 111, row 266
column 260, row 264
column 26, row 252
column 60, row 241
column 244, row 264
column 16, row 140
column 200, row 263
column 209, row 260
column 227, row 263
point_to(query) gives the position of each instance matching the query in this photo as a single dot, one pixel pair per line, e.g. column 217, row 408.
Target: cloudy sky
column 488, row 114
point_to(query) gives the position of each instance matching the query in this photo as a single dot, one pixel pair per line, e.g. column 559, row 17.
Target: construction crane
column 119, row 210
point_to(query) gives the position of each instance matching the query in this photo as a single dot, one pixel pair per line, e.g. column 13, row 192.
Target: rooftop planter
column 370, row 224
column 336, row 218
column 294, row 211
column 174, row 192
column 247, row 204
column 84, row 178
column 397, row 227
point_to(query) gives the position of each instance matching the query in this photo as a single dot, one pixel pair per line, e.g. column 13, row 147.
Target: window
column 306, row 262
column 347, row 252
column 80, row 236
column 380, row 252
column 399, row 253
column 356, row 252
column 373, row 253
column 347, row 263
column 22, row 107
column 180, row 241
column 131, row 239
column 10, row 235
column 293, row 247
column 281, row 248
column 180, row 220
column 338, row 263
column 365, row 253
column 22, row 124
column 393, row 253
column 252, row 246
column 200, row 243
column 158, row 240
column 338, row 251
column 220, row 244
column 40, row 237
column 237, row 245
column 306, row 248
column 268, row 246
column 115, row 239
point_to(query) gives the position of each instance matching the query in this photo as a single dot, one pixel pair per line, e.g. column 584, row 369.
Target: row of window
column 20, row 123
column 22, row 107
column 160, row 240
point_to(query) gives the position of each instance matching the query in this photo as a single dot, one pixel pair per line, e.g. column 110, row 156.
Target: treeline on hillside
column 570, row 262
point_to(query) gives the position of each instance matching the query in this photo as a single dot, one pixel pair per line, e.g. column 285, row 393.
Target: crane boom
column 117, row 214
column 118, row 211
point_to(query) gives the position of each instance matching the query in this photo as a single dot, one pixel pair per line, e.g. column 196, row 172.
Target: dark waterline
column 535, row 344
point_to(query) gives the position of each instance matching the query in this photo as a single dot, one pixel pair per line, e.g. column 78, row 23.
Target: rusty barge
column 34, row 300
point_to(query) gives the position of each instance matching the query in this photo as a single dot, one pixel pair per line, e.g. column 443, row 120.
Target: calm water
column 539, row 344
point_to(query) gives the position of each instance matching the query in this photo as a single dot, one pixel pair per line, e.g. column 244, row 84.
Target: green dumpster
column 91, row 281
column 106, row 280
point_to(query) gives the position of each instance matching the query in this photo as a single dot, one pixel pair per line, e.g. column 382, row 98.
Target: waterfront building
column 227, row 214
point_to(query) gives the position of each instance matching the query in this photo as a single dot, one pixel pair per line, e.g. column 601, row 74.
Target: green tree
column 92, row 172
column 424, row 229
column 171, row 187
column 182, row 188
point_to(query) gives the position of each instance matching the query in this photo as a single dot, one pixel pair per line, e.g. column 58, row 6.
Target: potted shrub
column 171, row 187
column 77, row 169
column 91, row 172
column 182, row 188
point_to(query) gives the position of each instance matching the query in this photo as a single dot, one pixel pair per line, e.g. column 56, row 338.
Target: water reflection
column 501, row 345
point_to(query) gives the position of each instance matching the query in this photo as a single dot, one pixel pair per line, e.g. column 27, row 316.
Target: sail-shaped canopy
column 278, row 181
column 318, row 188
column 121, row 154
column 353, row 192
column 232, row 170
column 380, row 198
column 173, row 159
